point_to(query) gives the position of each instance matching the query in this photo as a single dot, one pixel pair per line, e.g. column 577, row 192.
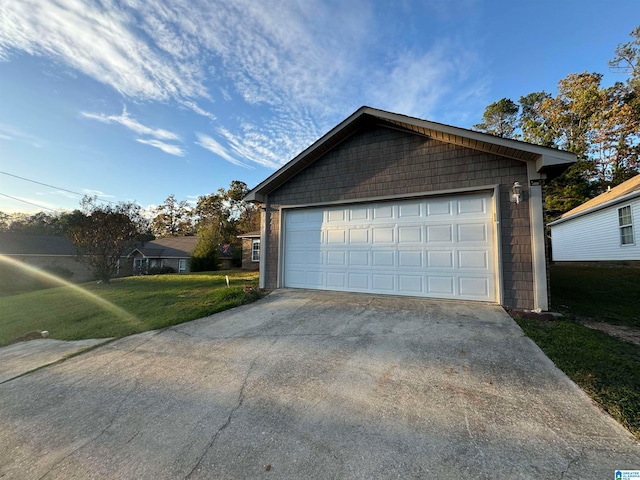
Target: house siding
column 247, row 262
column 596, row 236
column 386, row 162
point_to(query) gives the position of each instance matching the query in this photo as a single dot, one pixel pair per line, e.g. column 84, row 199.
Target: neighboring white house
column 603, row 229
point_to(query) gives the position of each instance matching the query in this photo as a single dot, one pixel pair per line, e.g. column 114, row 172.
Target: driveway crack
column 572, row 463
column 239, row 402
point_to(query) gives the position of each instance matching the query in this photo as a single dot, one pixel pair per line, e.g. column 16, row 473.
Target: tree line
column 601, row 125
column 104, row 232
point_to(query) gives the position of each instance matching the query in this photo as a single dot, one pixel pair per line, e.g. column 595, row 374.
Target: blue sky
column 139, row 99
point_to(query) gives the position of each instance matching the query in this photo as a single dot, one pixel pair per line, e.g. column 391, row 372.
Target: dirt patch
column 624, row 333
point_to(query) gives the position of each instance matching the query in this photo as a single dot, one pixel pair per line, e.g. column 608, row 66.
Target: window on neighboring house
column 626, row 225
column 255, row 250
column 182, row 266
column 153, row 263
column 163, row 263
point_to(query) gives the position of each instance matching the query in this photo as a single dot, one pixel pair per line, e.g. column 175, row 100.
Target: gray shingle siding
column 386, row 162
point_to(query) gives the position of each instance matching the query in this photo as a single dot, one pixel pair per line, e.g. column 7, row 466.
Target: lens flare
column 37, row 273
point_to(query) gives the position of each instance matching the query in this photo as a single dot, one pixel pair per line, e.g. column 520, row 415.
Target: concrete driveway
column 312, row 385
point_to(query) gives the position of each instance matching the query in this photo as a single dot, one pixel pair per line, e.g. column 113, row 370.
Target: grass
column 608, row 294
column 605, row 367
column 123, row 307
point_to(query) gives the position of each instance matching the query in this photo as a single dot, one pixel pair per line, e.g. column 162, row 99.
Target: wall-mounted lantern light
column 516, row 192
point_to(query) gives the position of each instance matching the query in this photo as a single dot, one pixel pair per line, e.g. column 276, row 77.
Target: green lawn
column 610, row 294
column 605, row 367
column 124, row 306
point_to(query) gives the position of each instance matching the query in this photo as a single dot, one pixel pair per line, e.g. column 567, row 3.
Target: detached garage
column 390, row 204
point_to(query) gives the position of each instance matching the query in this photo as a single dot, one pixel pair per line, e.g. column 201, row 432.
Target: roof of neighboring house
column 254, row 234
column 622, row 193
column 225, row 250
column 544, row 157
column 25, row 244
column 170, row 247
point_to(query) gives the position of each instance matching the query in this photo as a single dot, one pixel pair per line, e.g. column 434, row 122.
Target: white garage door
column 440, row 247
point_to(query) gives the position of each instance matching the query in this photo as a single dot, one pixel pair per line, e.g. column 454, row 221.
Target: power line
column 24, row 201
column 52, row 186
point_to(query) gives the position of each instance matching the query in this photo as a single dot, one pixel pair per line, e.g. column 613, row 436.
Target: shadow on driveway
column 306, row 384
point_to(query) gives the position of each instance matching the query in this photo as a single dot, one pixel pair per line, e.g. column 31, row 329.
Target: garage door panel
column 336, row 280
column 383, row 282
column 336, row 216
column 314, row 279
column 411, row 234
column 439, row 208
column 474, row 259
column 335, row 236
column 383, row 211
column 440, row 285
column 297, row 258
column 358, row 213
column 439, row 233
column 383, row 258
column 472, row 232
column 358, row 281
column 383, row 234
column 411, row 284
column 314, row 237
column 336, row 257
column 473, row 286
column 410, row 259
column 358, row 235
column 471, row 205
column 410, row 210
column 439, row 247
column 315, row 257
column 358, row 259
column 440, row 259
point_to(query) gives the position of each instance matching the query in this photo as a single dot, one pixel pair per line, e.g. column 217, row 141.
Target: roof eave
column 602, row 206
column 543, row 156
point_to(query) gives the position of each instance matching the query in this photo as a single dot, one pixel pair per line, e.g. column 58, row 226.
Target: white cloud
column 165, row 147
column 97, row 193
column 288, row 70
column 159, row 135
column 98, row 39
column 213, row 146
column 199, row 110
column 125, row 120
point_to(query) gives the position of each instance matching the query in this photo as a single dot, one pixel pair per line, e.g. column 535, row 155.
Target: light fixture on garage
column 516, row 192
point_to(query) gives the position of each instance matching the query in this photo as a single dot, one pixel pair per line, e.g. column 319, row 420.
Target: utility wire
column 52, row 186
column 24, row 201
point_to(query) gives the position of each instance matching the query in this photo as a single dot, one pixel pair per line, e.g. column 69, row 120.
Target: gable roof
column 26, row 244
column 170, row 247
column 619, row 194
column 366, row 116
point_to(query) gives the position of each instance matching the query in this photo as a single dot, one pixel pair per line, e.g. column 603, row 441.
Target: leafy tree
column 570, row 189
column 534, row 124
column 500, row 119
column 104, row 233
column 205, row 255
column 627, row 59
column 226, row 214
column 5, row 219
column 173, row 219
